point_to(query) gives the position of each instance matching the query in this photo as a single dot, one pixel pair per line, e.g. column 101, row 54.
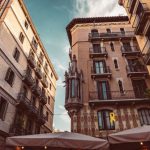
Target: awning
column 61, row 139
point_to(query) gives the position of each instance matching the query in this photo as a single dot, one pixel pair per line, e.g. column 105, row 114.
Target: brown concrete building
column 27, row 76
column 138, row 12
column 107, row 77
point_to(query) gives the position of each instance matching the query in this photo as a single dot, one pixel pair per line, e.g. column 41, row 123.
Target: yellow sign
column 112, row 117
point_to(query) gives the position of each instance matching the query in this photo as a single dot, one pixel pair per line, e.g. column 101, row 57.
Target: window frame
column 10, row 73
column 104, row 121
column 21, row 37
column 141, row 116
column 3, row 108
column 16, row 54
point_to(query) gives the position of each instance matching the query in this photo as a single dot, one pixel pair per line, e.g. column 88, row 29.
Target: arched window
column 104, row 121
column 3, row 108
column 120, row 86
column 116, row 63
column 112, row 46
column 144, row 116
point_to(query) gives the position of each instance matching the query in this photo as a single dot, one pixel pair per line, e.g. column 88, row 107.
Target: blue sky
column 50, row 18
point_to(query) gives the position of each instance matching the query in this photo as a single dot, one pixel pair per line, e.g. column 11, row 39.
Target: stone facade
column 101, row 78
column 28, row 102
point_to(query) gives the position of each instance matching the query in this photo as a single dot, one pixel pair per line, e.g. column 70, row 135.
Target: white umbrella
column 139, row 134
column 60, row 140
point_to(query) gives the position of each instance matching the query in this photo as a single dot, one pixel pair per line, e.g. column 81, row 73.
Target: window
column 127, row 46
column 34, row 43
column 16, row 54
column 51, row 75
column 9, row 76
column 47, row 116
column 3, row 108
column 144, row 115
column 94, row 33
column 116, row 63
column 120, row 86
column 103, row 90
column 26, row 24
column 112, row 46
column 96, row 48
column 49, row 100
column 21, row 37
column 29, row 127
column 108, row 30
column 100, row 67
column 50, row 86
column 72, row 87
column 104, row 122
column 122, row 30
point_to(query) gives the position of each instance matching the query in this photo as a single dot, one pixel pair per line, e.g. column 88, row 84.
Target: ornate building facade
column 107, row 77
column 27, row 76
column 138, row 12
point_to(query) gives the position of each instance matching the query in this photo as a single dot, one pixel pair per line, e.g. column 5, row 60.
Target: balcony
column 110, row 97
column 110, row 36
column 44, row 82
column 130, row 51
column 101, row 72
column 28, row 79
column 36, row 89
column 31, row 61
column 73, row 103
column 24, row 102
column 141, row 21
column 38, row 72
column 43, row 98
column 17, row 130
column 137, row 71
column 41, row 118
column 98, row 52
column 34, row 44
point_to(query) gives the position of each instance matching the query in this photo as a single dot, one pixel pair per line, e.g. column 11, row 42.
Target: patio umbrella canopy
column 61, row 140
column 131, row 139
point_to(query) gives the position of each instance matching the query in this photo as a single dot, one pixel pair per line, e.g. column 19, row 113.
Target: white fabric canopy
column 140, row 134
column 61, row 139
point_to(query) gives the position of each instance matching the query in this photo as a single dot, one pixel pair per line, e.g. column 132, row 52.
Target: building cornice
column 93, row 20
column 22, row 4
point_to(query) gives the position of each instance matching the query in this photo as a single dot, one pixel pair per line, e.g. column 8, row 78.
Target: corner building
column 106, row 76
column 27, row 76
column 138, row 12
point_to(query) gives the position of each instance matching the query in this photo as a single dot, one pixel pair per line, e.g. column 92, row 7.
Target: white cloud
column 96, row 8
column 60, row 82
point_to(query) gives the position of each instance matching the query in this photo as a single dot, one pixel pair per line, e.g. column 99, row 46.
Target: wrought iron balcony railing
column 104, row 72
column 105, row 36
column 98, row 52
column 41, row 118
column 116, row 95
column 137, row 70
column 130, row 51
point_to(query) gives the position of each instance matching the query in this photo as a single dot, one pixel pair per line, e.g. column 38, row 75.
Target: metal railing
column 136, row 68
column 111, row 35
column 129, row 49
column 36, row 89
column 100, row 70
column 116, row 95
column 100, row 50
column 28, row 78
column 38, row 72
column 32, row 61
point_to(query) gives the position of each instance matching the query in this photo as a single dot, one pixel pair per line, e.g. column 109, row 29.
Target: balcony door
column 103, row 90
column 127, row 46
column 96, row 48
column 100, row 67
column 139, row 87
